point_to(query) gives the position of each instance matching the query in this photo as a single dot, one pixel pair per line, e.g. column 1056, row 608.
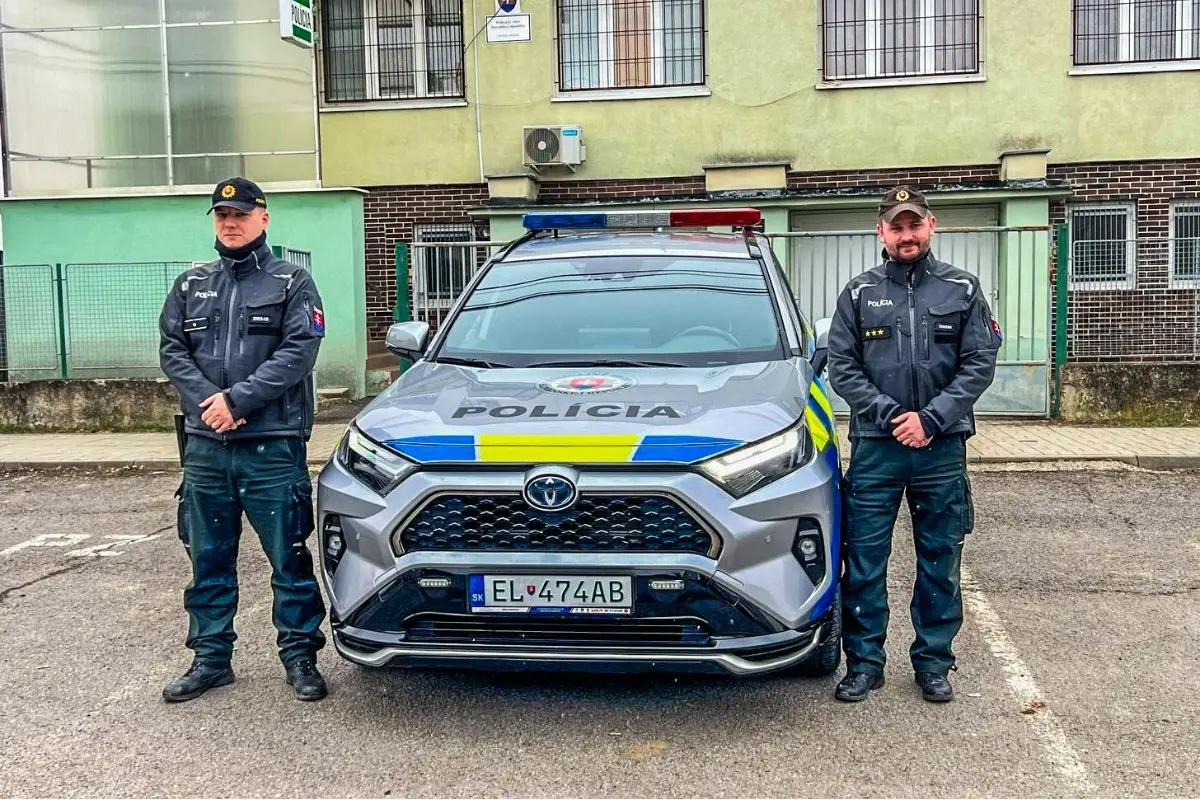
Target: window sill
column 1136, row 67
column 1190, row 284
column 657, row 93
column 396, row 105
column 915, row 80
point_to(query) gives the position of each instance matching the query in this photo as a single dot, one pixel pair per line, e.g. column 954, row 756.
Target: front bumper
column 749, row 607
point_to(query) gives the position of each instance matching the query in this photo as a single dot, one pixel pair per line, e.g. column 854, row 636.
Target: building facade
column 1012, row 115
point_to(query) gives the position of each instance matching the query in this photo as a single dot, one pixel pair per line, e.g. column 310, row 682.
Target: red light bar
column 700, row 218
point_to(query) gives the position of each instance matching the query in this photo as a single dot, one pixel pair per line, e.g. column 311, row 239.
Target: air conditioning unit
column 553, row 146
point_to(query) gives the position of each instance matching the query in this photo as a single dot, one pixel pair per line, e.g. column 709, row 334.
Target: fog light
column 434, row 583
column 335, row 543
column 809, row 550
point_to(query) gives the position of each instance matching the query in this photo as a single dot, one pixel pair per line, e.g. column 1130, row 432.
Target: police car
column 615, row 454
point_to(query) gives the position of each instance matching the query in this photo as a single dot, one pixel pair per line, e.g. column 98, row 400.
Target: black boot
column 304, row 676
column 857, row 685
column 199, row 678
column 935, row 687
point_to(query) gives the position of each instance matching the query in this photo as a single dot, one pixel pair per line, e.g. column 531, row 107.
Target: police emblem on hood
column 585, row 384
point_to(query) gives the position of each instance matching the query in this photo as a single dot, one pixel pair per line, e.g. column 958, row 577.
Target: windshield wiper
column 470, row 362
column 606, row 362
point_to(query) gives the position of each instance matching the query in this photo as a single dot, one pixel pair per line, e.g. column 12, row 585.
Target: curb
column 1159, row 462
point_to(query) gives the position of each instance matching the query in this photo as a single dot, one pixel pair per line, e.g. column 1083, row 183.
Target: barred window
column 1103, row 245
column 1185, row 242
column 392, row 49
column 899, row 38
column 441, row 273
column 1132, row 31
column 618, row 44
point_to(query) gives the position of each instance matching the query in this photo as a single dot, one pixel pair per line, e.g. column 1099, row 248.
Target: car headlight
column 372, row 463
column 756, row 465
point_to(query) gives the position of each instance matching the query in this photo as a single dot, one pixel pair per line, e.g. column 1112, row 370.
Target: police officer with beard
column 911, row 349
column 239, row 339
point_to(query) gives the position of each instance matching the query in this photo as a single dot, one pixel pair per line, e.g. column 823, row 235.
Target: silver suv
column 615, row 455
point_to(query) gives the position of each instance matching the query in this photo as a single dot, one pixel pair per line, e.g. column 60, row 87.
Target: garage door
column 822, row 264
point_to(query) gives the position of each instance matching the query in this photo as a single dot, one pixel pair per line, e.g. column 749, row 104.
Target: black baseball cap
column 900, row 199
column 239, row 193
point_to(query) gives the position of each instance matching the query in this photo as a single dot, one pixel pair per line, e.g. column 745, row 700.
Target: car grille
column 451, row 629
column 606, row 523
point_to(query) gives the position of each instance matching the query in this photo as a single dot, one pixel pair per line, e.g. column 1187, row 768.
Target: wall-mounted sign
column 509, row 28
column 296, row 22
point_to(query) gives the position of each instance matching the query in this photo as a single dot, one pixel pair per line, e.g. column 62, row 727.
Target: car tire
column 828, row 655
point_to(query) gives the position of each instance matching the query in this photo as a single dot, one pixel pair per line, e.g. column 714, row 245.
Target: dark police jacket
column 926, row 343
column 250, row 329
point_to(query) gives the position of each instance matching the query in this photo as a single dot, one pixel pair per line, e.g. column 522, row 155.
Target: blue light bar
column 550, row 222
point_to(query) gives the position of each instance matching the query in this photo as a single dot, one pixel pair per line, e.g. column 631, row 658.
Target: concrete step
column 376, row 346
column 333, row 393
column 382, row 361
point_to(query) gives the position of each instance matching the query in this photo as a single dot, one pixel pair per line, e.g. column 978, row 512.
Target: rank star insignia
column 228, row 191
column 902, row 195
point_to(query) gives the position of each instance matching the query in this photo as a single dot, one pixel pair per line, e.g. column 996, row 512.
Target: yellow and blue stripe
column 578, row 448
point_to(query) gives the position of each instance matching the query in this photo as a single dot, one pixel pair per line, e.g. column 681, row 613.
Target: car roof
column 701, row 244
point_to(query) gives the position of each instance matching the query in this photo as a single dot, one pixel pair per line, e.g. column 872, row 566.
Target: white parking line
column 1020, row 682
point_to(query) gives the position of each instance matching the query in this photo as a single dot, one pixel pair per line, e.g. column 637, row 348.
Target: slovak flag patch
column 996, row 328
column 318, row 320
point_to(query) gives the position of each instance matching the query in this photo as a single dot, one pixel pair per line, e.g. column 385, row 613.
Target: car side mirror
column 820, row 357
column 408, row 339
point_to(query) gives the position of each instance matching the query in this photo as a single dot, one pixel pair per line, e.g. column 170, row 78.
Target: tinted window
column 686, row 311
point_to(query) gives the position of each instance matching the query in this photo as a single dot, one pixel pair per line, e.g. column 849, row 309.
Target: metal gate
column 438, row 273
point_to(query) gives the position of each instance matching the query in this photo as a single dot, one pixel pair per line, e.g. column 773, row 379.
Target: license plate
column 551, row 594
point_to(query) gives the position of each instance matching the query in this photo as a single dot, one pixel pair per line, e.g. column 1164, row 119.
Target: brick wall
column 1152, row 322
column 390, row 214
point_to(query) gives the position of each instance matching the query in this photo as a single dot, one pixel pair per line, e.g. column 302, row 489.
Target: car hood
column 448, row 413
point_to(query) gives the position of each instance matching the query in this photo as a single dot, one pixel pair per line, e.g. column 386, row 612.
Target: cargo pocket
column 181, row 515
column 968, row 512
column 302, row 496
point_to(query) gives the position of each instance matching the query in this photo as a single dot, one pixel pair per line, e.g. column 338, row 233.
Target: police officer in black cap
column 911, row 349
column 239, row 339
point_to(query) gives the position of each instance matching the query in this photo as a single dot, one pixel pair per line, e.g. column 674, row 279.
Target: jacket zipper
column 217, row 334
column 229, row 339
column 924, row 338
column 241, row 331
column 899, row 341
column 912, row 345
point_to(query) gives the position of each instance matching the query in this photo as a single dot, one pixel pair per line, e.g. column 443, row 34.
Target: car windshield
column 618, row 310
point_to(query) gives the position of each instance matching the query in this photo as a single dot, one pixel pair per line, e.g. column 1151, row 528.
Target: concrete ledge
column 78, row 406
column 1132, row 394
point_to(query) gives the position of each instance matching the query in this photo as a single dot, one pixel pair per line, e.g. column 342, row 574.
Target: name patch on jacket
column 877, row 333
column 195, row 324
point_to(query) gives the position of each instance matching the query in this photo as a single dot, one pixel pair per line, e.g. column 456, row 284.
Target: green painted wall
column 113, row 310
column 763, row 66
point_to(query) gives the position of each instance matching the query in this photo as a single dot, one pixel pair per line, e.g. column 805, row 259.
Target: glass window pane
column 579, row 43
column 846, row 38
column 955, row 36
column 683, row 41
column 1099, row 246
column 62, row 13
column 229, row 96
column 1154, row 30
column 1187, row 242
column 900, row 21
column 84, row 94
column 221, row 10
column 1097, row 26
column 444, row 47
column 344, row 51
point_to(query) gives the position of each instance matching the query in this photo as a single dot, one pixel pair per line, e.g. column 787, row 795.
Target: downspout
column 478, row 112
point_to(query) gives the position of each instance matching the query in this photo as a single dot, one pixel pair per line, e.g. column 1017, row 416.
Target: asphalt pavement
column 1077, row 664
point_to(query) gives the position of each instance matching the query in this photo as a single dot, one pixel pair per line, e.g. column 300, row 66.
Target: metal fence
column 1011, row 264
column 437, row 274
column 82, row 320
column 1130, row 300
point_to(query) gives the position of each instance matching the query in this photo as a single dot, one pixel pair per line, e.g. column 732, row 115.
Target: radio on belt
column 699, row 218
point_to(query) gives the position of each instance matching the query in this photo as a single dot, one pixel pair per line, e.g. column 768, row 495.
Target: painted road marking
column 1021, row 684
column 70, row 539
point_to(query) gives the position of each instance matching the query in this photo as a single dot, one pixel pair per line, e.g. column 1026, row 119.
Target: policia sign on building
column 296, row 22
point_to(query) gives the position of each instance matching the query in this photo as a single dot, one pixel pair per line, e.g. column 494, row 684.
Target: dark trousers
column 939, row 499
column 268, row 480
